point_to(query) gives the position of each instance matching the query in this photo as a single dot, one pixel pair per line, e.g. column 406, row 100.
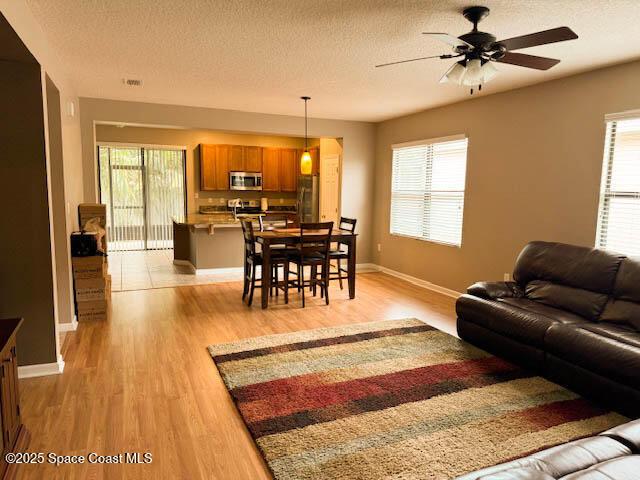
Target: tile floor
column 142, row 270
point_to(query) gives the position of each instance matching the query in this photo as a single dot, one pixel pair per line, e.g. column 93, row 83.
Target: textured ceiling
column 260, row 56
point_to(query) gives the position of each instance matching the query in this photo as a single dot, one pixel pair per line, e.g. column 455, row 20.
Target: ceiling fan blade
column 449, row 39
column 529, row 61
column 554, row 35
column 410, row 60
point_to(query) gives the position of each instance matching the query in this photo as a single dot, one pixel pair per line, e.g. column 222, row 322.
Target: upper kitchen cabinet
column 214, row 167
column 252, row 159
column 289, row 166
column 245, row 159
column 271, row 169
column 236, row 158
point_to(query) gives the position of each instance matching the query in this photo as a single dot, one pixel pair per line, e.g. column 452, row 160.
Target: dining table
column 291, row 236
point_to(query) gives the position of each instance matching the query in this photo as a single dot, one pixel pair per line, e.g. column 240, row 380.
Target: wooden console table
column 14, row 435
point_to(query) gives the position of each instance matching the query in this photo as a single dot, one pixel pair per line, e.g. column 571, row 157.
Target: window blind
column 427, row 190
column 619, row 211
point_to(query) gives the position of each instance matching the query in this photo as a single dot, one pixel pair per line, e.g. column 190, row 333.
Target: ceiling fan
column 480, row 51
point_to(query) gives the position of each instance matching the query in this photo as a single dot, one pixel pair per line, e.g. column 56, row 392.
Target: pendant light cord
column 306, row 146
column 305, row 125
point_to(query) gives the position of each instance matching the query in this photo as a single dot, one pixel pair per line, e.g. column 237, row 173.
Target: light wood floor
column 143, row 380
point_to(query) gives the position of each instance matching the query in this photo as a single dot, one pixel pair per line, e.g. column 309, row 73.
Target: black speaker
column 83, row 244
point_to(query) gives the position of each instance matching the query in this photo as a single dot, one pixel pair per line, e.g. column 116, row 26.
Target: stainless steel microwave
column 245, row 181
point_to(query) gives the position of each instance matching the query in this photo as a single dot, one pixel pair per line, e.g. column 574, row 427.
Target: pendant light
column 306, row 163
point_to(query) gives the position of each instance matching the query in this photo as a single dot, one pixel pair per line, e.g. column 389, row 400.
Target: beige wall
column 26, row 270
column 27, row 28
column 358, row 145
column 191, row 139
column 533, row 172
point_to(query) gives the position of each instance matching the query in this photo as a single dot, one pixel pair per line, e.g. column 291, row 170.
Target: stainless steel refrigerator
column 308, row 198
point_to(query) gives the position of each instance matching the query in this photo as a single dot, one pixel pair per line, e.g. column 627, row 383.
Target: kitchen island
column 209, row 243
column 213, row 243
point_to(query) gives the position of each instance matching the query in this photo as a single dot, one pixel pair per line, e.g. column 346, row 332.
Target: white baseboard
column 225, row 274
column 419, row 282
column 69, row 327
column 367, row 267
column 41, row 369
column 186, row 263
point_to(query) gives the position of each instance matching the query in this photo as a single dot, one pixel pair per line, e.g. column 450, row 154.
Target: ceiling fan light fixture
column 489, row 71
column 455, row 74
column 473, row 75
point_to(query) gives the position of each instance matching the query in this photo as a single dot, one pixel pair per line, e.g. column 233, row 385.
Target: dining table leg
column 266, row 272
column 351, row 266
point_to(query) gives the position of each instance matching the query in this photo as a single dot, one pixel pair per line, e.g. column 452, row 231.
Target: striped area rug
column 394, row 400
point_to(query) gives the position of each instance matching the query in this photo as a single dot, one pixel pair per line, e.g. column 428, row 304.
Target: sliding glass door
column 144, row 189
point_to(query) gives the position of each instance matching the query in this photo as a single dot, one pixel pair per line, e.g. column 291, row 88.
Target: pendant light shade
column 306, row 163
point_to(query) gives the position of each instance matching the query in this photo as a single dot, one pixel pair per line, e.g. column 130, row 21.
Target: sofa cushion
column 570, row 265
column 609, row 350
column 493, row 290
column 538, row 308
column 557, row 461
column 582, row 302
column 624, row 307
column 628, row 433
column 623, row 468
column 527, row 324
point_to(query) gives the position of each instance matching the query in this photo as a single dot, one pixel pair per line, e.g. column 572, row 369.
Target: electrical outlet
column 210, row 200
column 197, row 195
column 281, row 201
column 221, row 201
column 507, row 277
column 379, row 247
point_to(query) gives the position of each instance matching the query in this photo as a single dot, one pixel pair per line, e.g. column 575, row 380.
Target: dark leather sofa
column 612, row 455
column 572, row 314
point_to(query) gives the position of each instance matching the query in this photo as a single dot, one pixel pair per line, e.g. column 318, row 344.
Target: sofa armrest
column 493, row 290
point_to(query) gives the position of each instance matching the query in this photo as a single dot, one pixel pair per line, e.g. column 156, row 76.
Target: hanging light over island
column 306, row 163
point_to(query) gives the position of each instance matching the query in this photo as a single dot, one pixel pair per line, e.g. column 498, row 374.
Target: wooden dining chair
column 339, row 254
column 253, row 258
column 312, row 250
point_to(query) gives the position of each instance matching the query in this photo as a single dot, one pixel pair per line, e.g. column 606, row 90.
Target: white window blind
column 427, row 190
column 619, row 212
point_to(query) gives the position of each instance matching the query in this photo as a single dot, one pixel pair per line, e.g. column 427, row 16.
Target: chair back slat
column 249, row 238
column 348, row 224
column 315, row 238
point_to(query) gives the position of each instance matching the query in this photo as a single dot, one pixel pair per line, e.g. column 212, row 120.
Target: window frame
column 428, row 142
column 606, row 193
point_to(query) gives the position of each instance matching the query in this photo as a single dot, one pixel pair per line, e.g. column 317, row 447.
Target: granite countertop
column 199, row 220
column 221, row 219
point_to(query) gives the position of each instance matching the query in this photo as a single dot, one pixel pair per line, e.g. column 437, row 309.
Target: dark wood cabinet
column 14, row 435
column 271, row 169
column 280, row 167
column 236, row 158
column 252, row 159
column 289, row 167
column 214, row 167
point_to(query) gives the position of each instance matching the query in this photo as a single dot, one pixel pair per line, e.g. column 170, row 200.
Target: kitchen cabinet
column 214, row 167
column 252, row 159
column 236, row 158
column 14, row 435
column 271, row 169
column 280, row 167
column 289, row 167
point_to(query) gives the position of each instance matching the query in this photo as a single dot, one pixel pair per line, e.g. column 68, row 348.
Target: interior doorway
column 144, row 189
column 330, row 188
